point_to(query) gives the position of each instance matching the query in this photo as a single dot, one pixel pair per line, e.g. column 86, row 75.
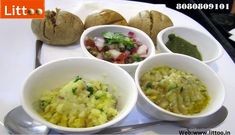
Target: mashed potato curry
column 78, row 104
column 175, row 90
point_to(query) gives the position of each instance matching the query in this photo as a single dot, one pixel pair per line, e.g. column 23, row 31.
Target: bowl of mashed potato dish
column 79, row 95
column 178, row 87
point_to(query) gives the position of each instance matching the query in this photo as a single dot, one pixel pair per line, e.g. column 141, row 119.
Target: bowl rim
column 93, row 28
column 216, row 43
column 181, row 116
column 115, row 120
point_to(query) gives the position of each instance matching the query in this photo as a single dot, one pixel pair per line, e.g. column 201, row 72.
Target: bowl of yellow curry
column 188, row 41
column 178, row 87
column 79, row 95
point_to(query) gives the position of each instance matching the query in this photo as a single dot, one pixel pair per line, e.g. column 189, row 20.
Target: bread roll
column 58, row 28
column 106, row 16
column 151, row 22
column 142, row 21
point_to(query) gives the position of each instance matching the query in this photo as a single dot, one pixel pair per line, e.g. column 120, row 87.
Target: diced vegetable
column 89, row 42
column 99, row 42
column 121, row 58
column 142, row 49
column 114, row 53
column 131, row 34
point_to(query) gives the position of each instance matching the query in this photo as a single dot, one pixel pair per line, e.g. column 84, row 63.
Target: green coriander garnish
column 90, row 89
column 77, row 78
column 115, row 37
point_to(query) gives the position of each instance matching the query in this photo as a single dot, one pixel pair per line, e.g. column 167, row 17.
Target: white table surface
column 17, row 54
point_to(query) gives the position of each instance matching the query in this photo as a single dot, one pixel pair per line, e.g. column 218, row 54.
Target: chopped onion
column 142, row 50
column 131, row 34
column 99, row 42
column 114, row 53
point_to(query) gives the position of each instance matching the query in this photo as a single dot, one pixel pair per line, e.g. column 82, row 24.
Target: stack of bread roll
column 68, row 31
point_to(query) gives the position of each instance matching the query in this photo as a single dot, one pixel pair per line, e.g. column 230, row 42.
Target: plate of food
column 140, row 15
column 107, row 32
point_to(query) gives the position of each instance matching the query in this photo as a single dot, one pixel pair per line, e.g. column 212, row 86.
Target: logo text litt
column 22, row 9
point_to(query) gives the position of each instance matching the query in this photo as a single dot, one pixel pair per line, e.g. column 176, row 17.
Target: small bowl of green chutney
column 189, row 42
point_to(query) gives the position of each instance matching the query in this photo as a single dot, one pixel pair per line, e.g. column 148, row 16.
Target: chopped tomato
column 90, row 42
column 121, row 58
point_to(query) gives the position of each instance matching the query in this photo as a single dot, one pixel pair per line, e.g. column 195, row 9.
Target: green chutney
column 178, row 45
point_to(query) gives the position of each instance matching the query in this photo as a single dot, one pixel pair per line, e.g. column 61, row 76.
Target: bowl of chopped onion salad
column 120, row 45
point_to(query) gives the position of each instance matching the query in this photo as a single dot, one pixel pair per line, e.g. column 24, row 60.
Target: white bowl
column 209, row 48
column 188, row 64
column 57, row 73
column 97, row 30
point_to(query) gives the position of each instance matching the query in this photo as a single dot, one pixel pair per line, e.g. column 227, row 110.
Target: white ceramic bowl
column 57, row 73
column 209, row 48
column 97, row 30
column 188, row 64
